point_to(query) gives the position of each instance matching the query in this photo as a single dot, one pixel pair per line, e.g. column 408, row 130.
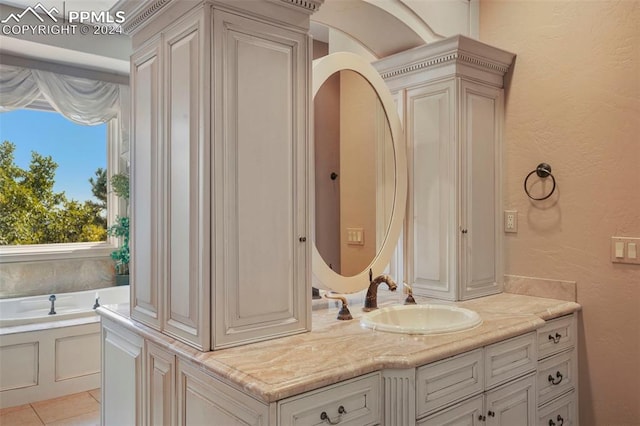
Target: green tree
column 31, row 212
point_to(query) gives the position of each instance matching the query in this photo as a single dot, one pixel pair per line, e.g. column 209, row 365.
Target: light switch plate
column 355, row 236
column 625, row 250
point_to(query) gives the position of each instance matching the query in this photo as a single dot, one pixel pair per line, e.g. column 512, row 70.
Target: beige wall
column 573, row 101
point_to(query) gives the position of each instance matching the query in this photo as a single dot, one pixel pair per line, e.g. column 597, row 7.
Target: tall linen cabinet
column 451, row 95
column 219, row 162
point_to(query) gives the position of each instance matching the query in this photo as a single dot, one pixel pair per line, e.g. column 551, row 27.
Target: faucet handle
column 409, row 292
column 344, row 314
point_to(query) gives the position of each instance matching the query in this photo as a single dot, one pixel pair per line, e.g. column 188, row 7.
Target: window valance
column 84, row 101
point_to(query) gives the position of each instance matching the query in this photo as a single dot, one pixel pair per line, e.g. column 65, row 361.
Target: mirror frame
column 323, row 276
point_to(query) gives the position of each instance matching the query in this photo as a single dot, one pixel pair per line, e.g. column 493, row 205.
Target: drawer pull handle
column 556, row 338
column 552, row 379
column 559, row 419
column 325, row 417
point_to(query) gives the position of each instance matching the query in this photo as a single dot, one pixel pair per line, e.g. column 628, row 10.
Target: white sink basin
column 421, row 319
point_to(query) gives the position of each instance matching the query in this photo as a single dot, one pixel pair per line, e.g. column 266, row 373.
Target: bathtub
column 35, row 309
column 45, row 356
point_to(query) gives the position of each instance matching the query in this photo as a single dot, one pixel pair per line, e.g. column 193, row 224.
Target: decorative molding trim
column 458, row 57
column 142, row 14
column 310, row 6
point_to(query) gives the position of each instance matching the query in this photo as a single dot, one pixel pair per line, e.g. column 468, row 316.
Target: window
column 49, row 207
column 72, row 222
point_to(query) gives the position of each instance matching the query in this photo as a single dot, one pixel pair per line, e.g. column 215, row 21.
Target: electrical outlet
column 510, row 221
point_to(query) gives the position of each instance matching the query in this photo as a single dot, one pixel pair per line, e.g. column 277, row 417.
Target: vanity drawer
column 512, row 358
column 355, row 402
column 561, row 411
column 466, row 413
column 557, row 335
column 556, row 375
column 448, row 381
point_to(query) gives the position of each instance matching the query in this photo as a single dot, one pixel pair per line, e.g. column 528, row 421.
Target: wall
column 573, row 101
column 20, row 279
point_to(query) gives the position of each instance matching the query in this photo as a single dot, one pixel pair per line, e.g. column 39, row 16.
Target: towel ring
column 543, row 170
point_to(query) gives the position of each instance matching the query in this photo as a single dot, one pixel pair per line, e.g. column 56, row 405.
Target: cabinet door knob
column 325, row 417
column 559, row 419
column 303, row 239
column 552, row 379
column 491, row 413
column 481, row 417
column 464, row 231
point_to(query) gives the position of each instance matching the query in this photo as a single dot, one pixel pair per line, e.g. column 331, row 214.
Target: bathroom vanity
column 220, row 328
column 518, row 367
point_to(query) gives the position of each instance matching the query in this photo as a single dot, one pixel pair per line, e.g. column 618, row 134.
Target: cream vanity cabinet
column 495, row 385
column 122, row 376
column 219, row 169
column 558, row 372
column 451, row 94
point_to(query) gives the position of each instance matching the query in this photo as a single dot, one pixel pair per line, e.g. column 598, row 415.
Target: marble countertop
column 338, row 350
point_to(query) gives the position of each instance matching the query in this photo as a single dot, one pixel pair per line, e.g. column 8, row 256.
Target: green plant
column 120, row 185
column 121, row 255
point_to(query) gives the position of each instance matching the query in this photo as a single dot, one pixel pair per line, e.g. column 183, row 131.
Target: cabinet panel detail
column 450, row 380
column 432, row 173
column 399, row 396
column 509, row 359
column 556, row 336
column 19, row 365
column 480, row 128
column 556, row 375
column 68, row 365
column 122, row 372
column 259, row 148
column 202, row 399
column 187, row 194
column 561, row 411
column 512, row 403
column 468, row 413
column 354, row 402
column 160, row 381
column 146, row 233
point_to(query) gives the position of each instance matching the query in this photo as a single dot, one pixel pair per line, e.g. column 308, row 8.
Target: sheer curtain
column 81, row 100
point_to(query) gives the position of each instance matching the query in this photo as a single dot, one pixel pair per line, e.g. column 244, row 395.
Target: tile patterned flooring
column 80, row 409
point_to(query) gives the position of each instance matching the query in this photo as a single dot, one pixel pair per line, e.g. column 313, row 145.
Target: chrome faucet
column 52, row 299
column 371, row 301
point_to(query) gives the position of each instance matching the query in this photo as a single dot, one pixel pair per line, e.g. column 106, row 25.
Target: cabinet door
column 160, row 384
column 480, row 231
column 202, row 400
column 261, row 254
column 432, row 225
column 186, row 204
column 122, row 369
column 146, row 190
column 512, row 404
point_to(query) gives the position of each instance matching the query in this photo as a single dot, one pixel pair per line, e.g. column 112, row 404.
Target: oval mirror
column 360, row 173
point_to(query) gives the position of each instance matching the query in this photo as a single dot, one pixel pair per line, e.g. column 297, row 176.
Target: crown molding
column 138, row 12
column 307, row 6
column 458, row 55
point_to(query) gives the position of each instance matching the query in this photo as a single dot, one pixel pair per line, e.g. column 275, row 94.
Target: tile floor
column 80, row 409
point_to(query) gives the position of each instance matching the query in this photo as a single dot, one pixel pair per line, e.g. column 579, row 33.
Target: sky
column 78, row 150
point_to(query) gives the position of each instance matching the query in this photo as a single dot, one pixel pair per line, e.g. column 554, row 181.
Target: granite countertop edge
column 339, row 350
